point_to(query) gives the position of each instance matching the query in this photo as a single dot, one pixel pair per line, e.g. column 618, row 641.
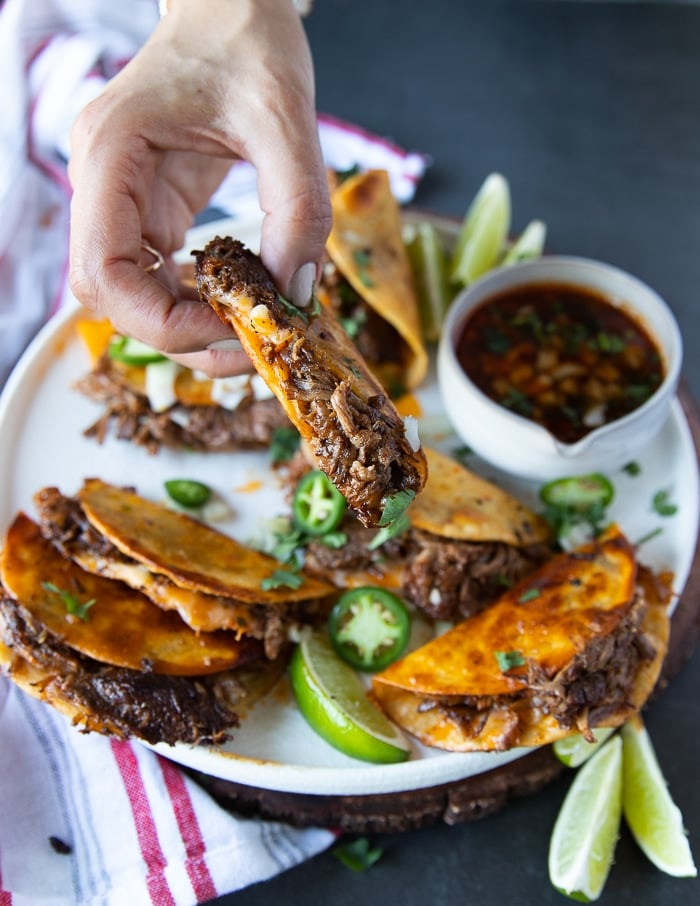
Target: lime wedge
column 654, row 819
column 528, row 245
column 426, row 253
column 585, row 833
column 575, row 749
column 484, row 231
column 333, row 700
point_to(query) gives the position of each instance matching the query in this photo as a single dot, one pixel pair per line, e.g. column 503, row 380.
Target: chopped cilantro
column 306, row 314
column 342, row 175
column 609, row 342
column 70, row 602
column 352, row 324
column 358, row 855
column 632, row 468
column 336, row 540
column 362, row 259
column 504, row 581
column 281, row 578
column 394, row 521
column 461, row 453
column 507, row 660
column 649, row 535
column 496, row 341
column 284, row 444
column 517, row 401
column 660, row 504
column 529, row 595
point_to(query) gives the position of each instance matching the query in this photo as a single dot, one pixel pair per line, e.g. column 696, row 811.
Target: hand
column 216, row 81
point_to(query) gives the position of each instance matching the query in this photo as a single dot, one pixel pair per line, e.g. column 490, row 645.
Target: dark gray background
column 592, row 112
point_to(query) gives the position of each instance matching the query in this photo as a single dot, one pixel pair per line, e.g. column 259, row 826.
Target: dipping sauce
column 561, row 356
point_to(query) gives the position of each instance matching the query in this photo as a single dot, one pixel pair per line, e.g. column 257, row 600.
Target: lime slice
column 426, row 253
column 575, row 749
column 528, row 245
column 484, row 231
column 333, row 700
column 654, row 819
column 585, row 833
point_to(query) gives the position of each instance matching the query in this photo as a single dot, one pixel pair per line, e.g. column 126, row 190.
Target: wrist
column 303, row 7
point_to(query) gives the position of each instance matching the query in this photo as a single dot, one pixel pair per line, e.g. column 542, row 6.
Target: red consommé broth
column 560, row 355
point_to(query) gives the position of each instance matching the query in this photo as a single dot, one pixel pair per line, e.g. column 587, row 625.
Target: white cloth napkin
column 84, row 819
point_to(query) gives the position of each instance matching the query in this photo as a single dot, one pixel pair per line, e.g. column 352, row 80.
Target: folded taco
column 181, row 564
column 466, row 541
column 154, row 402
column 577, row 644
column 368, row 281
column 351, row 428
column 103, row 654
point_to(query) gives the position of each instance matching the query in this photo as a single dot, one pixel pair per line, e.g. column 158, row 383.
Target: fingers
column 216, row 363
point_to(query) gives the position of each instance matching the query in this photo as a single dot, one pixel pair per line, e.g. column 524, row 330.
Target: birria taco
column 466, row 541
column 351, row 428
column 139, row 621
column 368, row 281
column 577, row 644
column 209, row 578
column 154, row 402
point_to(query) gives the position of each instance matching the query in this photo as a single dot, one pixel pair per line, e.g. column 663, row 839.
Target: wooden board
column 462, row 800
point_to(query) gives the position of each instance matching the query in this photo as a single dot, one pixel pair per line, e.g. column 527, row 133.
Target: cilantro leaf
column 358, row 855
column 394, row 520
column 529, row 595
column 363, row 259
column 281, row 578
column 284, row 444
column 660, row 504
column 70, row 602
column 507, row 660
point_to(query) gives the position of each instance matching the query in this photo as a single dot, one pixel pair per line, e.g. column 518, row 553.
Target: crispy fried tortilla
column 578, row 644
column 366, row 246
column 457, row 503
column 121, row 627
column 352, row 429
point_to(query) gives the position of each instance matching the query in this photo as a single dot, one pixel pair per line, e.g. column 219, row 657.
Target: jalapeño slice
column 579, row 493
column 318, row 506
column 133, row 352
column 187, row 492
column 369, row 627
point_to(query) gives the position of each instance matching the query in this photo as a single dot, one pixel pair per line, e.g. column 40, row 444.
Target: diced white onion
column 229, row 392
column 260, row 389
column 180, row 416
column 160, row 384
column 435, row 596
column 411, row 427
column 595, row 416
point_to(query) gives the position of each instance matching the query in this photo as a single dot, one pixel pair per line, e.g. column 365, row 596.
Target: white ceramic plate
column 41, row 443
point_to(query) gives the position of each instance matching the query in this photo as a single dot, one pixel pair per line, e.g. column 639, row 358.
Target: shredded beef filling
column 121, row 701
column 129, row 416
column 446, row 579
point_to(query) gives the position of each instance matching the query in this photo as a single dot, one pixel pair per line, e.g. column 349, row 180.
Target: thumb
column 293, row 193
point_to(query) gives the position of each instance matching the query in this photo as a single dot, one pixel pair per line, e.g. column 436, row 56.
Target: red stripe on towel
column 144, row 822
column 195, row 848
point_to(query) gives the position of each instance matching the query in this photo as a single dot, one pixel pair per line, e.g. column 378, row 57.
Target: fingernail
column 231, row 345
column 301, row 286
